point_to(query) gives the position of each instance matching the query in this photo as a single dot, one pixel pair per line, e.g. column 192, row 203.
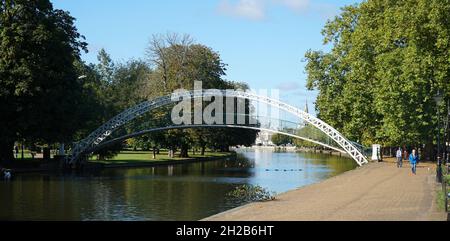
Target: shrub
column 251, row 193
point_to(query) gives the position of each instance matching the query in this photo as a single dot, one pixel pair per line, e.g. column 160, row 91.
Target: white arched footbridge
column 97, row 139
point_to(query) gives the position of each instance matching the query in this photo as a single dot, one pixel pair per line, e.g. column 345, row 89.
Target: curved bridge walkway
column 374, row 192
column 82, row 148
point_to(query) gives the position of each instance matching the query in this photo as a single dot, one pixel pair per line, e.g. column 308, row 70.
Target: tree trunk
column 46, row 154
column 101, row 157
column 6, row 152
column 203, row 150
column 381, row 153
column 22, row 147
column 429, row 152
column 184, row 152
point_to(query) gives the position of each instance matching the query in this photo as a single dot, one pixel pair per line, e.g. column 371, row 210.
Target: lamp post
column 446, row 135
column 438, row 99
column 62, row 151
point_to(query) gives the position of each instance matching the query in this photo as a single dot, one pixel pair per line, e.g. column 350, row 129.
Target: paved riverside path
column 377, row 191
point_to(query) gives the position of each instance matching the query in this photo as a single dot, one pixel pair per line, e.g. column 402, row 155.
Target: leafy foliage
column 388, row 59
column 251, row 193
column 175, row 62
column 39, row 86
column 48, row 95
column 313, row 133
column 281, row 140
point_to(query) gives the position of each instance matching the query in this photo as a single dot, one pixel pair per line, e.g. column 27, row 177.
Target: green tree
column 92, row 105
column 312, row 133
column 105, row 67
column 178, row 62
column 388, row 59
column 118, row 87
column 39, row 85
column 128, row 79
column 281, row 140
column 175, row 62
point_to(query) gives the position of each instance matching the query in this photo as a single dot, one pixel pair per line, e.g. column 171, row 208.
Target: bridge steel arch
column 140, row 133
column 104, row 131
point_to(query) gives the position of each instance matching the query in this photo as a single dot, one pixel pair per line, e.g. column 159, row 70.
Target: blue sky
column 262, row 41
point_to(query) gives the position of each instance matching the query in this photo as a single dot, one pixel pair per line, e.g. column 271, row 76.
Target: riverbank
column 377, row 191
column 131, row 159
column 295, row 150
column 125, row 159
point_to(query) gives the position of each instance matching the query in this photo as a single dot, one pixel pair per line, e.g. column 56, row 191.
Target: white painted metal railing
column 104, row 131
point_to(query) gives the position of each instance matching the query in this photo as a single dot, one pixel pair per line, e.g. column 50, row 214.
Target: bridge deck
column 377, row 191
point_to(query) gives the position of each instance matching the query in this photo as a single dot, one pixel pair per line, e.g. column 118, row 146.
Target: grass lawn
column 28, row 160
column 441, row 194
column 147, row 157
column 27, row 155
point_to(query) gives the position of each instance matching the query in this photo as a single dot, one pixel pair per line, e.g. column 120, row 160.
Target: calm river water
column 180, row 192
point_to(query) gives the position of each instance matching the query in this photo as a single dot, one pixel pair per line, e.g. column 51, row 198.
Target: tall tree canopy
column 178, row 62
column 175, row 61
column 39, row 85
column 388, row 59
column 281, row 140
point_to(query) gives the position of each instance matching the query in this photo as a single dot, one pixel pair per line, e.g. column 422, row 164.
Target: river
column 181, row 192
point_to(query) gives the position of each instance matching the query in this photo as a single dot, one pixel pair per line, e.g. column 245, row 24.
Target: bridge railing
column 276, row 125
column 103, row 132
column 367, row 151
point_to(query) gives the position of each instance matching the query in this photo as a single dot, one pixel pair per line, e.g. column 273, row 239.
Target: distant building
column 306, row 107
column 303, row 123
column 264, row 139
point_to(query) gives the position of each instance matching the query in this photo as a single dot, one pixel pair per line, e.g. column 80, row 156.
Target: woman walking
column 399, row 158
column 413, row 160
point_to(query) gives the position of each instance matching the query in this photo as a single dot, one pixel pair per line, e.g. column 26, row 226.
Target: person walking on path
column 413, row 160
column 399, row 158
column 16, row 150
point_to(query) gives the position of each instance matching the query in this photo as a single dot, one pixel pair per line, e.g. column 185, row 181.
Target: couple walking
column 413, row 160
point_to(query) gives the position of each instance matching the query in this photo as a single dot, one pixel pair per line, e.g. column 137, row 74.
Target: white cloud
column 250, row 9
column 296, row 5
column 256, row 10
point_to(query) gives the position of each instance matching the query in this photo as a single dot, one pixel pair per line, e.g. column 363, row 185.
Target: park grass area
column 441, row 195
column 28, row 161
column 27, row 156
column 143, row 157
column 441, row 200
